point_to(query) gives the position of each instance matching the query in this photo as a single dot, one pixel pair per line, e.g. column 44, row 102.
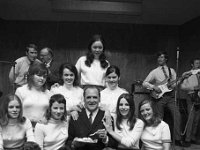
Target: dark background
column 132, row 47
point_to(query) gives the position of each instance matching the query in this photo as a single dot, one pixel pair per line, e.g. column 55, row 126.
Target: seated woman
column 53, row 134
column 69, row 86
column 92, row 67
column 156, row 134
column 111, row 93
column 14, row 128
column 128, row 128
column 34, row 95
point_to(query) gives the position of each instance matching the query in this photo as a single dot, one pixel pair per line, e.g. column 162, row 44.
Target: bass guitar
column 166, row 85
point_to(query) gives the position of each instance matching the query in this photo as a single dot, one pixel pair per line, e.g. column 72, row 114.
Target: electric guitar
column 165, row 86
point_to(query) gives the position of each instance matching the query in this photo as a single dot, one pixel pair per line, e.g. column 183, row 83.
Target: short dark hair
column 163, row 53
column 73, row 69
column 194, row 59
column 59, row 98
column 31, row 46
column 91, row 87
column 155, row 120
column 112, row 69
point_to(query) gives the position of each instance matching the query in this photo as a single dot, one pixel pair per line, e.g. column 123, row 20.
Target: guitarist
column 192, row 87
column 158, row 75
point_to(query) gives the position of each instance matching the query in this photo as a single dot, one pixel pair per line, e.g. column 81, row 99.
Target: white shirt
column 94, row 75
column 94, row 113
column 73, row 96
column 130, row 138
column 51, row 136
column 154, row 137
column 35, row 103
column 156, row 76
column 110, row 97
column 190, row 83
column 14, row 135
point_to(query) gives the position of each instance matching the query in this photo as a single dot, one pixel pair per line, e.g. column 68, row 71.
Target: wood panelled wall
column 131, row 47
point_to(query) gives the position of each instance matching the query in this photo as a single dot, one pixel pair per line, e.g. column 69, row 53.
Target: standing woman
column 14, row 128
column 128, row 128
column 34, row 95
column 53, row 134
column 111, row 93
column 156, row 134
column 69, row 86
column 92, row 67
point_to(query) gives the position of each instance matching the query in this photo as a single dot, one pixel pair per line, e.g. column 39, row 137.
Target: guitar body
column 164, row 89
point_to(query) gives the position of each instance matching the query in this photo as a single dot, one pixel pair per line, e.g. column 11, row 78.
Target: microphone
column 177, row 52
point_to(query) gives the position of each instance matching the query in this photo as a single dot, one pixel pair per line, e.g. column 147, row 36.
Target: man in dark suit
column 89, row 122
column 46, row 56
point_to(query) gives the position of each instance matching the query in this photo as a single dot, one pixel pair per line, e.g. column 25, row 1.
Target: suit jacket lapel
column 84, row 119
column 98, row 120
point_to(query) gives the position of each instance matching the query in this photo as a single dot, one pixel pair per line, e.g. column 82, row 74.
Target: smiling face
column 39, row 79
column 57, row 110
column 146, row 112
column 112, row 80
column 124, row 108
column 68, row 77
column 196, row 64
column 31, row 54
column 91, row 99
column 162, row 60
column 13, row 109
column 97, row 49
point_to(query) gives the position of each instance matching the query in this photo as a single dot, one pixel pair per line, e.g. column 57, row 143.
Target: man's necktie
column 90, row 118
column 165, row 73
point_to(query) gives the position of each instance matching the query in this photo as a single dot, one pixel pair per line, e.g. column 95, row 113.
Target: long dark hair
column 59, row 98
column 131, row 115
column 4, row 118
column 36, row 68
column 155, row 120
column 90, row 55
column 73, row 69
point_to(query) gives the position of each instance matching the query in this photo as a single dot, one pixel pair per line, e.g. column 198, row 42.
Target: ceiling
column 167, row 12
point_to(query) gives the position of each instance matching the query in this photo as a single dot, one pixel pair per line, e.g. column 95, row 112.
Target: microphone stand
column 14, row 76
column 175, row 96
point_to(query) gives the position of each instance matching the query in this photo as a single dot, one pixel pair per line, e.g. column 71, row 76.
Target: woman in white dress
column 92, row 67
column 14, row 128
column 111, row 93
column 156, row 134
column 128, row 128
column 69, row 87
column 53, row 134
column 34, row 95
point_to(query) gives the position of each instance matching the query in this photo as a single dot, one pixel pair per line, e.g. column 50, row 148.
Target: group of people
column 51, row 110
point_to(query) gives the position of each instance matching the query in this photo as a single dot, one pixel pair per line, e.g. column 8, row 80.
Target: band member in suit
column 46, row 56
column 89, row 124
column 156, row 77
column 192, row 87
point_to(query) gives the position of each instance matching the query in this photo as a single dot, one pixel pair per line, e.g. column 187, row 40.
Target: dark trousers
column 194, row 118
column 167, row 101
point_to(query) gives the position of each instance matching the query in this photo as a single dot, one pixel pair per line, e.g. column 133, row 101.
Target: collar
column 165, row 66
column 94, row 113
column 48, row 64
